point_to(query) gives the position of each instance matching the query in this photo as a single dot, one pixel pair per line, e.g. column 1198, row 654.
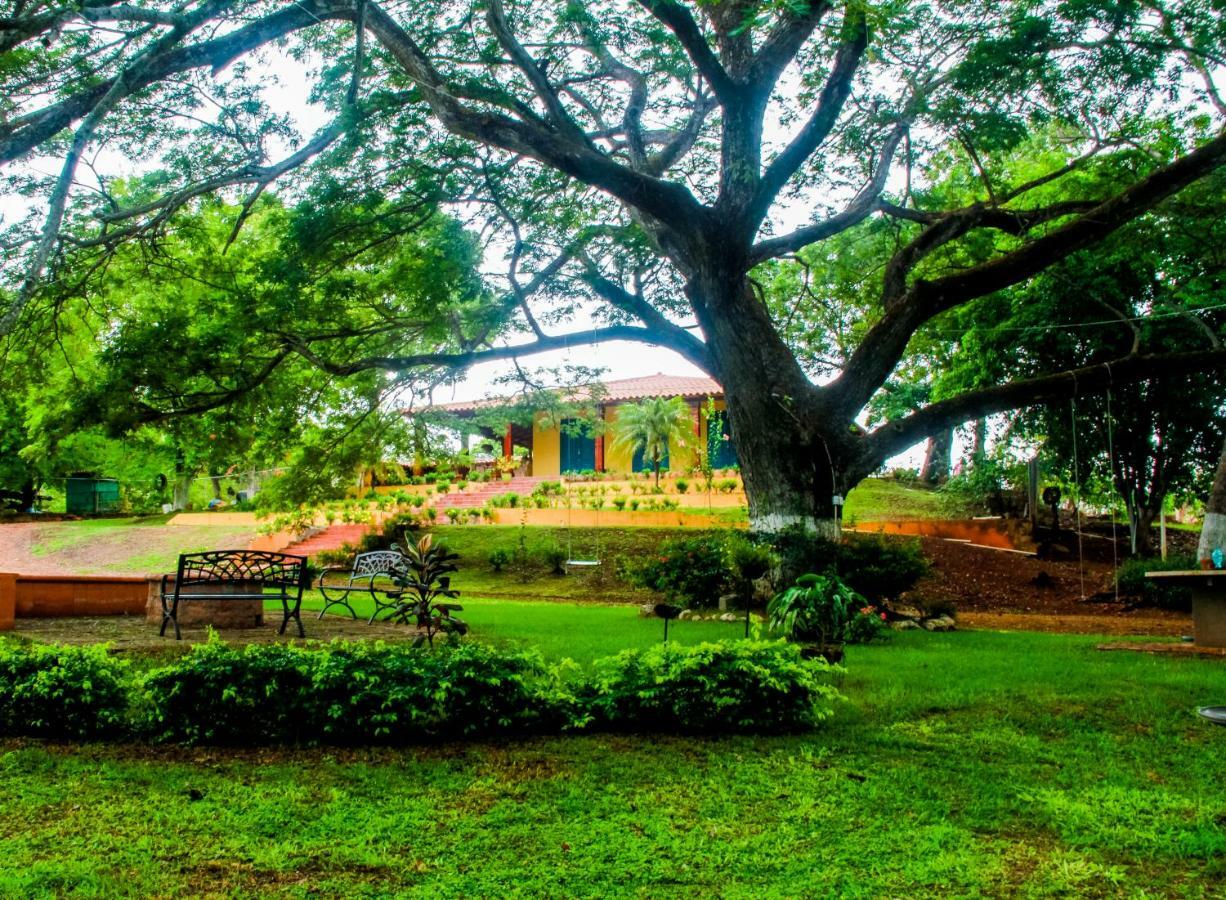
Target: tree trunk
column 937, row 458
column 791, row 453
column 979, row 445
column 29, row 494
column 1213, row 531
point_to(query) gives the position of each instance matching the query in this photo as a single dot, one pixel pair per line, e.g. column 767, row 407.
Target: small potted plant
column 815, row 611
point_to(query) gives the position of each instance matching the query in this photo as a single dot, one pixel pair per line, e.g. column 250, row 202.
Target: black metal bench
column 337, row 583
column 248, row 575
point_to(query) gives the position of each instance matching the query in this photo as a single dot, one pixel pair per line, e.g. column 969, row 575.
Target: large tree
column 651, row 155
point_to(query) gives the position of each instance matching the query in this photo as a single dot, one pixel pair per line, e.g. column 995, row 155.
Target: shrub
column 749, row 560
column 1133, row 582
column 727, row 485
column 800, row 551
column 555, row 558
column 342, row 557
column 682, row 485
column 499, row 558
column 619, row 503
column 734, row 686
column 867, row 624
column 880, row 568
column 61, row 692
column 346, row 694
column 452, row 514
column 816, row 608
column 693, row 571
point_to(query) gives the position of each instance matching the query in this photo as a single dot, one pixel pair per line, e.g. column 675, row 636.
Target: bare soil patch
column 135, row 633
column 109, row 547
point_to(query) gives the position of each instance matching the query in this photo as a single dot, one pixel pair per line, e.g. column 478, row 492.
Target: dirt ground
column 108, row 547
column 979, row 579
column 128, row 633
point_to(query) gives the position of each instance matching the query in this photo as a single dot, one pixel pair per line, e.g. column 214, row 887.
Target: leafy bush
column 692, row 571
column 347, row 694
column 750, row 560
column 555, row 558
column 800, row 551
column 498, row 559
column 61, row 692
column 824, row 610
column 1133, row 582
column 682, row 485
column 878, row 567
column 734, row 686
column 867, row 624
column 426, row 589
column 816, row 608
column 881, row 568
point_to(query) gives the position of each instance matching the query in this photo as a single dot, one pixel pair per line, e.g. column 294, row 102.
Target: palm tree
column 651, row 426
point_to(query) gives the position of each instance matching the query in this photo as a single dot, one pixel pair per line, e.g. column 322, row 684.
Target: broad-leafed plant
column 426, row 582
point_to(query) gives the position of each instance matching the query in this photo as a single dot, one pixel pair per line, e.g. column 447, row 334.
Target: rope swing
column 571, row 562
column 1115, row 562
column 1081, row 567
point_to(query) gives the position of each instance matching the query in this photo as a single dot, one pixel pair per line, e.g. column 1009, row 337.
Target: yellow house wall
column 547, row 446
column 546, row 450
column 679, row 458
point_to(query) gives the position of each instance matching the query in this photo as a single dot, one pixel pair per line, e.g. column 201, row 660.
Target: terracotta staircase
column 333, row 537
column 486, row 491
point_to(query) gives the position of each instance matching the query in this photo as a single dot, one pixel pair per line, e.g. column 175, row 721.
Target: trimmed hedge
column 374, row 693
column 62, row 692
column 730, row 687
column 345, row 694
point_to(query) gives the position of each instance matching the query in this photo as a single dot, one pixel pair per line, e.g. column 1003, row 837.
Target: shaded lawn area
column 968, row 764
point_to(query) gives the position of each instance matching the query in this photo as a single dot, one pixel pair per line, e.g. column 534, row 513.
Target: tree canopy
column 652, row 155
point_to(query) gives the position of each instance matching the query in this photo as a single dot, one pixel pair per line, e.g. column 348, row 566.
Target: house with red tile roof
column 580, row 443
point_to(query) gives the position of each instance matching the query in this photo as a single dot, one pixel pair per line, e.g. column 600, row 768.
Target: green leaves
column 733, row 686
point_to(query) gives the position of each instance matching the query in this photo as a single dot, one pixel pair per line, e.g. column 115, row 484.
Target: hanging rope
column 1081, row 567
column 1115, row 562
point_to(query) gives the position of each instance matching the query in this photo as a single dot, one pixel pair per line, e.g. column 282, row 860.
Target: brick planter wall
column 194, row 613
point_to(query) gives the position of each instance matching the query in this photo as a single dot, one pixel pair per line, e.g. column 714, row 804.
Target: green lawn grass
column 967, row 764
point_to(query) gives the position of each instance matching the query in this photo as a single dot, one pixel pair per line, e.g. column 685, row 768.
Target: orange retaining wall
column 47, row 596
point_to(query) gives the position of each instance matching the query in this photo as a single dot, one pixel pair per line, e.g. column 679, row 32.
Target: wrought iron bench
column 368, row 568
column 237, row 575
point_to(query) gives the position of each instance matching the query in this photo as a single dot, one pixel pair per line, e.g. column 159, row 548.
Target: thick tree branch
column 830, row 103
column 25, row 133
column 785, row 41
column 885, row 343
column 496, row 18
column 946, row 227
column 670, row 335
column 895, row 437
column 687, row 31
column 864, row 204
column 463, row 359
column 666, row 201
